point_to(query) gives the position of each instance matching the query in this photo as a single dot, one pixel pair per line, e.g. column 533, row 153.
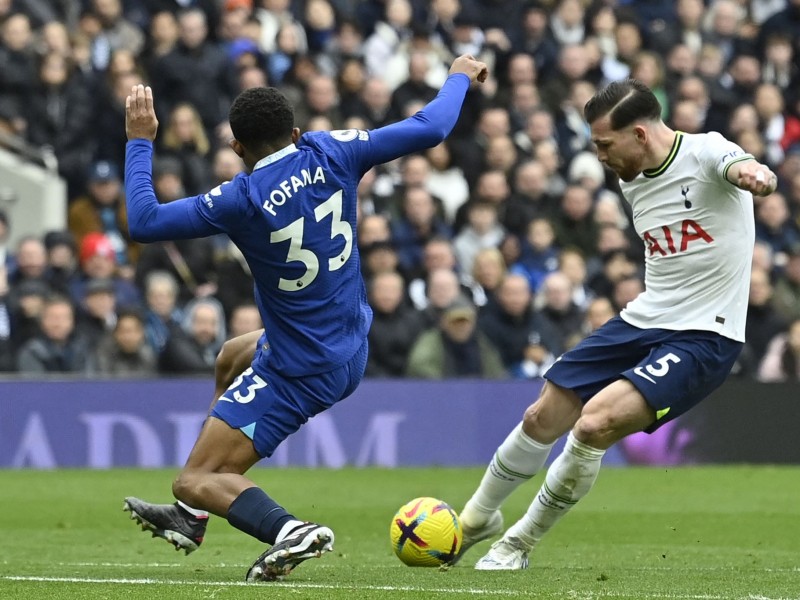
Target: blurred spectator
column 782, row 359
column 124, row 352
column 481, row 231
column 59, row 347
column 350, row 83
column 441, row 288
column 537, row 39
column 62, row 260
column 558, row 319
column 438, row 253
column 415, row 86
column 469, row 154
column 455, row 347
column 17, row 65
column 598, row 312
column 509, row 322
column 244, row 319
column 374, row 104
column 530, row 198
column 58, row 114
column 320, row 99
column 98, row 261
column 574, row 225
column 234, row 279
column 379, row 257
column 763, row 321
column 97, row 312
column 786, row 294
column 163, row 34
column 395, row 326
column 185, row 138
column 193, row 348
column 626, row 290
column 109, row 130
column 25, row 310
column 492, row 186
column 102, row 210
column 539, row 253
column 271, row 14
column 769, row 105
column 511, row 249
column 162, row 313
column 615, row 264
column 390, row 31
column 722, row 23
column 573, row 265
column 774, row 224
column 417, row 224
column 30, row 261
column 488, row 272
column 190, row 261
column 446, row 181
column 194, row 71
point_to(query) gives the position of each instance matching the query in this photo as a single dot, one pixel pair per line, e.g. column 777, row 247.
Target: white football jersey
column 699, row 231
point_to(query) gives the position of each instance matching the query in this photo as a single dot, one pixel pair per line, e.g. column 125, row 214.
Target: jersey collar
column 673, row 152
column 275, row 156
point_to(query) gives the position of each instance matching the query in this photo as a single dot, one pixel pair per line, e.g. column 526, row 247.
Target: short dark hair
column 261, row 116
column 625, row 101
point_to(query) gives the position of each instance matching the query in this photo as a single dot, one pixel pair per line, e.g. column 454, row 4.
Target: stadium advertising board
column 104, row 424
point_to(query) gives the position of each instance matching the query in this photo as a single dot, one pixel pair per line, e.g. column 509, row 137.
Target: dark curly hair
column 625, row 101
column 261, row 116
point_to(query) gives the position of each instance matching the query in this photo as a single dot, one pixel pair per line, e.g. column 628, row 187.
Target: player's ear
column 640, row 132
column 295, row 135
column 237, row 147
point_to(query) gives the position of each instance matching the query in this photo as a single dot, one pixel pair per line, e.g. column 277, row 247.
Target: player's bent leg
column 213, row 476
column 613, row 413
column 517, row 460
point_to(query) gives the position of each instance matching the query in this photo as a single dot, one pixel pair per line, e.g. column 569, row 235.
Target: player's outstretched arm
column 434, row 122
column 753, row 177
column 149, row 221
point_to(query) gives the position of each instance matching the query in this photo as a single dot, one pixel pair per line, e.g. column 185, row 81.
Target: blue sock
column 258, row 515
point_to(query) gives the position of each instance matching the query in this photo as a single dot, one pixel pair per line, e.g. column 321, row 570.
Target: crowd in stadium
column 486, row 256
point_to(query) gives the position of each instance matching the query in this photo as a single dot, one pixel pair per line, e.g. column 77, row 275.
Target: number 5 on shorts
column 659, row 371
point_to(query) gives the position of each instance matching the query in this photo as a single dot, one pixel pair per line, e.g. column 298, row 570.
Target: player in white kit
column 691, row 196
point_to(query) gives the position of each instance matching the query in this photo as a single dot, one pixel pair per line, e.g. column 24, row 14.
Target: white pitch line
column 383, row 588
column 571, row 594
column 183, row 565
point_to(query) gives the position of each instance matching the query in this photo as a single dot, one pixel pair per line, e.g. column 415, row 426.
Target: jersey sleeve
column 719, row 154
column 360, row 150
column 192, row 217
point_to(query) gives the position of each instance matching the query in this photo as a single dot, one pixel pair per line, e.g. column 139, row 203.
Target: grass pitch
column 641, row 534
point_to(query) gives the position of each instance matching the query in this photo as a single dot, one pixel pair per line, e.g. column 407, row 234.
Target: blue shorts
column 268, row 407
column 674, row 370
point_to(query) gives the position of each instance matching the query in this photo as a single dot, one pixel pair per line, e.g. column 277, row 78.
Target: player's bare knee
column 597, row 429
column 541, row 425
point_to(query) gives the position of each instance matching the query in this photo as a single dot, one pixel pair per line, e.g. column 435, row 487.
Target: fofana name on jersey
column 288, row 187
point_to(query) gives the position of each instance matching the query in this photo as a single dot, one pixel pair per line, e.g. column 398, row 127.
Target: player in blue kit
column 293, row 216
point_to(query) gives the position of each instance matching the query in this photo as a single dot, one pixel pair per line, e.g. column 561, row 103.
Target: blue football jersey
column 294, row 219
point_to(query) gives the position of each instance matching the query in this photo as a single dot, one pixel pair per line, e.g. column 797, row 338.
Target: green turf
column 641, row 534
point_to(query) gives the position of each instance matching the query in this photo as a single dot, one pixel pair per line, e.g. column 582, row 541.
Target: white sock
column 287, row 527
column 194, row 511
column 568, row 479
column 517, row 459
